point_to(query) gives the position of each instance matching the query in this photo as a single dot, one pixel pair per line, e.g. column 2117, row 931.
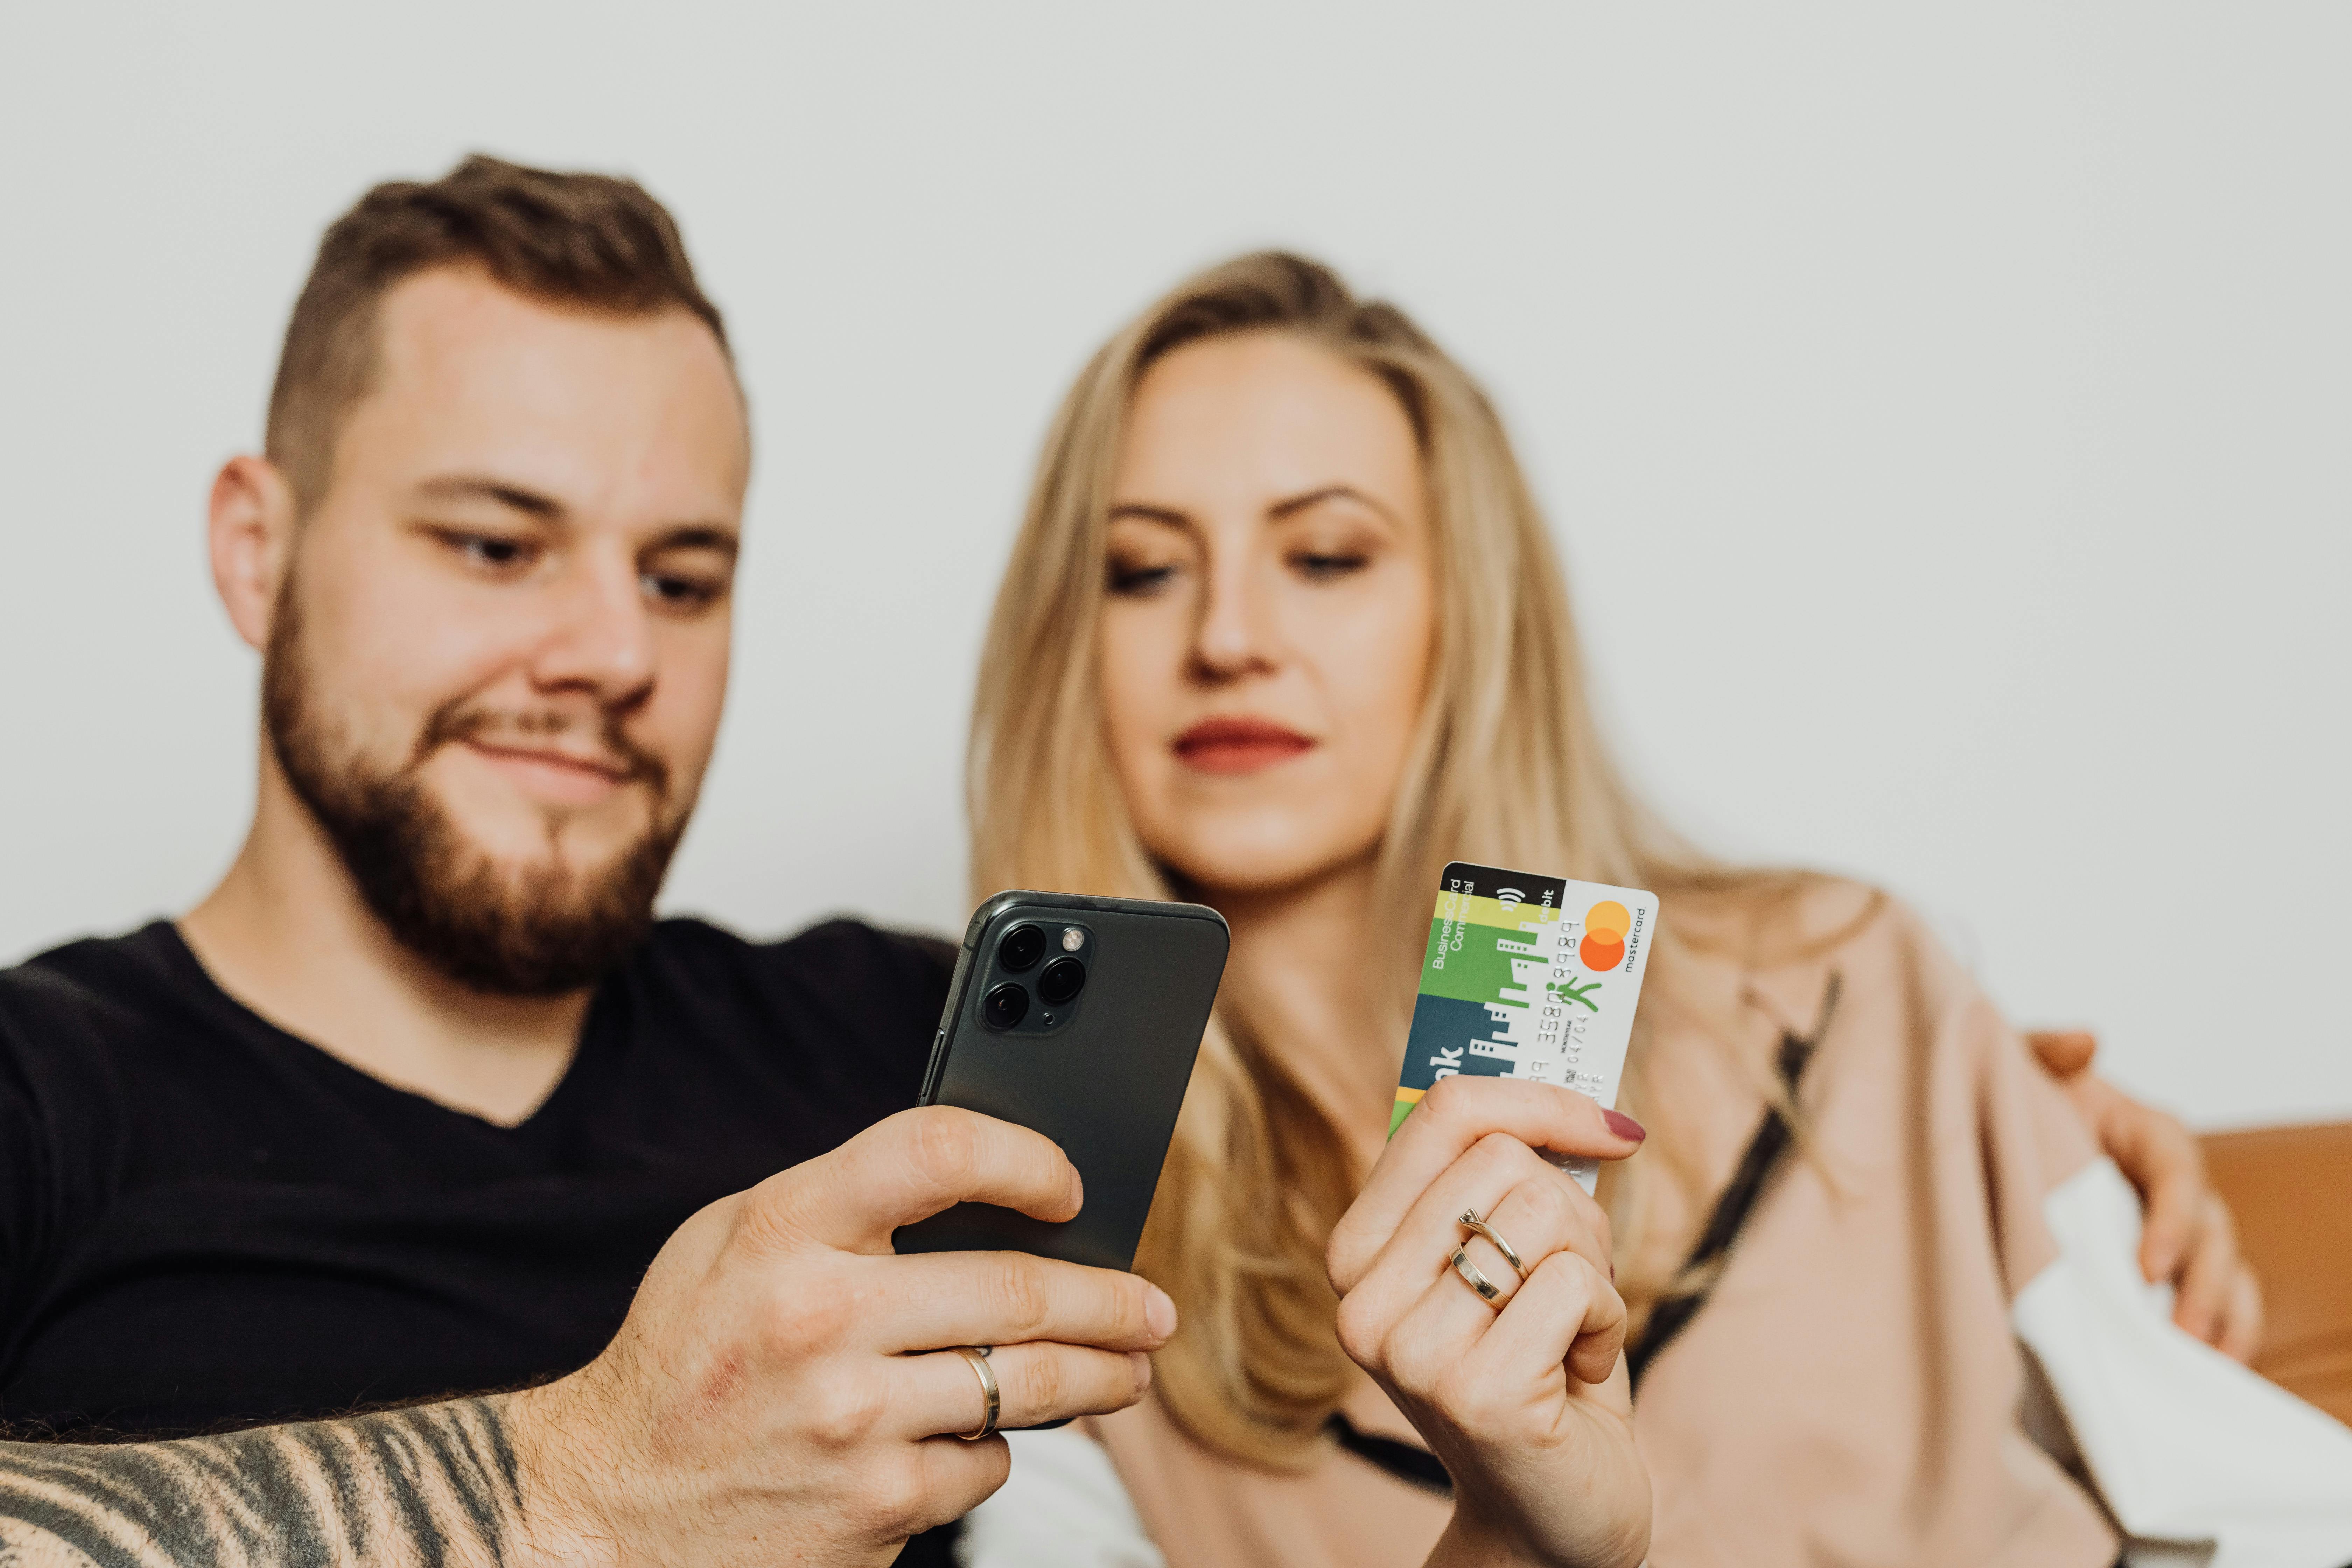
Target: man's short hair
column 576, row 239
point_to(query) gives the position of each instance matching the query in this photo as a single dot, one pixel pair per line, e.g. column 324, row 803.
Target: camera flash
column 1073, row 939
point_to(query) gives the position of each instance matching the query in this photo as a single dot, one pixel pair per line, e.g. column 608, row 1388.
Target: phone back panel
column 1105, row 1082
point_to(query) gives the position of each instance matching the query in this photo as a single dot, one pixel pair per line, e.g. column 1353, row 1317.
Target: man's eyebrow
column 1299, row 503
column 466, row 487
column 699, row 536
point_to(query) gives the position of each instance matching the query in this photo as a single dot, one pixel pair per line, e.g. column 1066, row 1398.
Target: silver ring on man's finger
column 1476, row 1226
column 976, row 1357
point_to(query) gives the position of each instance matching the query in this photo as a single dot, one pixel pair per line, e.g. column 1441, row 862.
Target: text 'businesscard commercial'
column 1527, row 976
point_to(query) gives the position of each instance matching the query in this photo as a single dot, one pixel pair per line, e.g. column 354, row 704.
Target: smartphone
column 1078, row 1017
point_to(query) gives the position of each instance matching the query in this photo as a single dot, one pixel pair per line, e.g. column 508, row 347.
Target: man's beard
column 543, row 931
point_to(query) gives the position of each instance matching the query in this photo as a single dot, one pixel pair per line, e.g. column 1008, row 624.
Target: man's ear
column 251, row 527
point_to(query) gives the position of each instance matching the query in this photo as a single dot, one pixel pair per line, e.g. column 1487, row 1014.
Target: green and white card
column 1527, row 976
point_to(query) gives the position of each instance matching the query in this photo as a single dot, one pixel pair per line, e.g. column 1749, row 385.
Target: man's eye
column 679, row 592
column 1140, row 579
column 491, row 553
column 1320, row 567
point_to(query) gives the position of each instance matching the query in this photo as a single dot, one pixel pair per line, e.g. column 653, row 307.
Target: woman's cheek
column 1383, row 670
column 1135, row 694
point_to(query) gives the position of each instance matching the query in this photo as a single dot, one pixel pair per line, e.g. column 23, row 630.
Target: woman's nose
column 1235, row 635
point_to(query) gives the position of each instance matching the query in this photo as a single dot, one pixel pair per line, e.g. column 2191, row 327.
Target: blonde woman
column 1284, row 632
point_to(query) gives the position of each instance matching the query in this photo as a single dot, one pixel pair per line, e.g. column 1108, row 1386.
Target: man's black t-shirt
column 205, row 1221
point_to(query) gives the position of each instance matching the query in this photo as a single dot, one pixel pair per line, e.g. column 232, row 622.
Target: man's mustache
column 615, row 753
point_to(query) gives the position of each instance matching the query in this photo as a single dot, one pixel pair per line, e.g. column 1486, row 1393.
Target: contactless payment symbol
column 1605, row 925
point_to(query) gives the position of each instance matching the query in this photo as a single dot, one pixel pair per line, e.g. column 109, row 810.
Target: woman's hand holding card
column 1476, row 1288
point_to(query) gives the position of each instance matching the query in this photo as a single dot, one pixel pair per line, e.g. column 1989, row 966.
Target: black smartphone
column 1078, row 1017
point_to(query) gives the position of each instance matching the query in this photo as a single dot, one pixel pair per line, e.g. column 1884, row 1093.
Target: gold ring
column 1477, row 1227
column 1487, row 1289
column 976, row 1356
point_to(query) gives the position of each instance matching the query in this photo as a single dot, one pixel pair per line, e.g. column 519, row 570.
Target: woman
column 1284, row 632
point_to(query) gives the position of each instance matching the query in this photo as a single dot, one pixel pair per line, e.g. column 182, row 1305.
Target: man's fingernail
column 1142, row 1365
column 1159, row 1312
column 1624, row 1126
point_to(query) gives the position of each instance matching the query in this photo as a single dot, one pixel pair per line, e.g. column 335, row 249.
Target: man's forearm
column 434, row 1484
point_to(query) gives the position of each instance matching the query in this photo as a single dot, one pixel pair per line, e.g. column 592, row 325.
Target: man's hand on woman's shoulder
column 2188, row 1238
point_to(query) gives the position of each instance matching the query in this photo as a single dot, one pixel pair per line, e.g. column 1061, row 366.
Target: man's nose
column 601, row 639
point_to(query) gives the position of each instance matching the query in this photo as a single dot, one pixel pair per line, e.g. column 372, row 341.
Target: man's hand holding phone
column 787, row 1385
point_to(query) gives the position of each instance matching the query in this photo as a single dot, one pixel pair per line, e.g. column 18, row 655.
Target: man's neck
column 287, row 934
column 1305, row 971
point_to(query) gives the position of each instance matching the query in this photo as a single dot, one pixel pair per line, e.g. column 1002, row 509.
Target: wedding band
column 1477, row 1227
column 976, row 1356
column 1487, row 1289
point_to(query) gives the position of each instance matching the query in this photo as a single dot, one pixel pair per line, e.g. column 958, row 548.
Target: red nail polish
column 1624, row 1126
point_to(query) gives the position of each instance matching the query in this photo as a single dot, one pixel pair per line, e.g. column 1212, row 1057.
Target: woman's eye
column 1126, row 579
column 1322, row 567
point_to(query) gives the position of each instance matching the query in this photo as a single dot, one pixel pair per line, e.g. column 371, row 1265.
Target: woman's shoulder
column 1782, row 934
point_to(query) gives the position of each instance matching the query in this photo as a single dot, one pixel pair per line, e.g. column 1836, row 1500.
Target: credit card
column 1527, row 976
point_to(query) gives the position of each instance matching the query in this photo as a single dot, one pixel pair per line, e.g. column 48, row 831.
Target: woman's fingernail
column 1160, row 1313
column 1624, row 1126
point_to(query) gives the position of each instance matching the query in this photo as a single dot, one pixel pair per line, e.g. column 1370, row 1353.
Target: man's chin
column 554, row 868
column 527, row 936
column 509, row 908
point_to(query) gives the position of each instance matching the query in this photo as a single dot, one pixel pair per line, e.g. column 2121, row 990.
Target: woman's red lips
column 1238, row 746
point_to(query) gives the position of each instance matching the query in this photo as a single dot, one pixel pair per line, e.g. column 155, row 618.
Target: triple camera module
column 1058, row 984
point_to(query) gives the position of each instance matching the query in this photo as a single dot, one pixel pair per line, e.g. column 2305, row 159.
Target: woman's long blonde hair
column 1507, row 768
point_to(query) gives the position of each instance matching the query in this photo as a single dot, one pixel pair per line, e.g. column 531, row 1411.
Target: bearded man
column 405, row 1109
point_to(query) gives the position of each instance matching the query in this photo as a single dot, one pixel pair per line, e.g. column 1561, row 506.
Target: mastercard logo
column 1605, row 925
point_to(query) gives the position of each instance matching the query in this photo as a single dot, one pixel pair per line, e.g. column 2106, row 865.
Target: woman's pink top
column 1851, row 1392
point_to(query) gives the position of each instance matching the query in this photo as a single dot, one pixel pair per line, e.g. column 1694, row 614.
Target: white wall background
column 1947, row 414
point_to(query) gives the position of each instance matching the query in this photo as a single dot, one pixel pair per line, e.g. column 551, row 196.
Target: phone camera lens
column 1023, row 946
column 1006, row 1005
column 1064, row 978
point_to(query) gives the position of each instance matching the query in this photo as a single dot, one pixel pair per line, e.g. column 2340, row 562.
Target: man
column 407, row 1107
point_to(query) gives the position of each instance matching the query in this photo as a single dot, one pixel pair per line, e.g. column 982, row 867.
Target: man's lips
column 564, row 776
column 1238, row 746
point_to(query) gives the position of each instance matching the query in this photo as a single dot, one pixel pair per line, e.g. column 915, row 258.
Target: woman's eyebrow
column 1299, row 503
column 1144, row 513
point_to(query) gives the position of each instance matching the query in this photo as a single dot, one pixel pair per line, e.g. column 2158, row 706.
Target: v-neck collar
column 198, row 986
